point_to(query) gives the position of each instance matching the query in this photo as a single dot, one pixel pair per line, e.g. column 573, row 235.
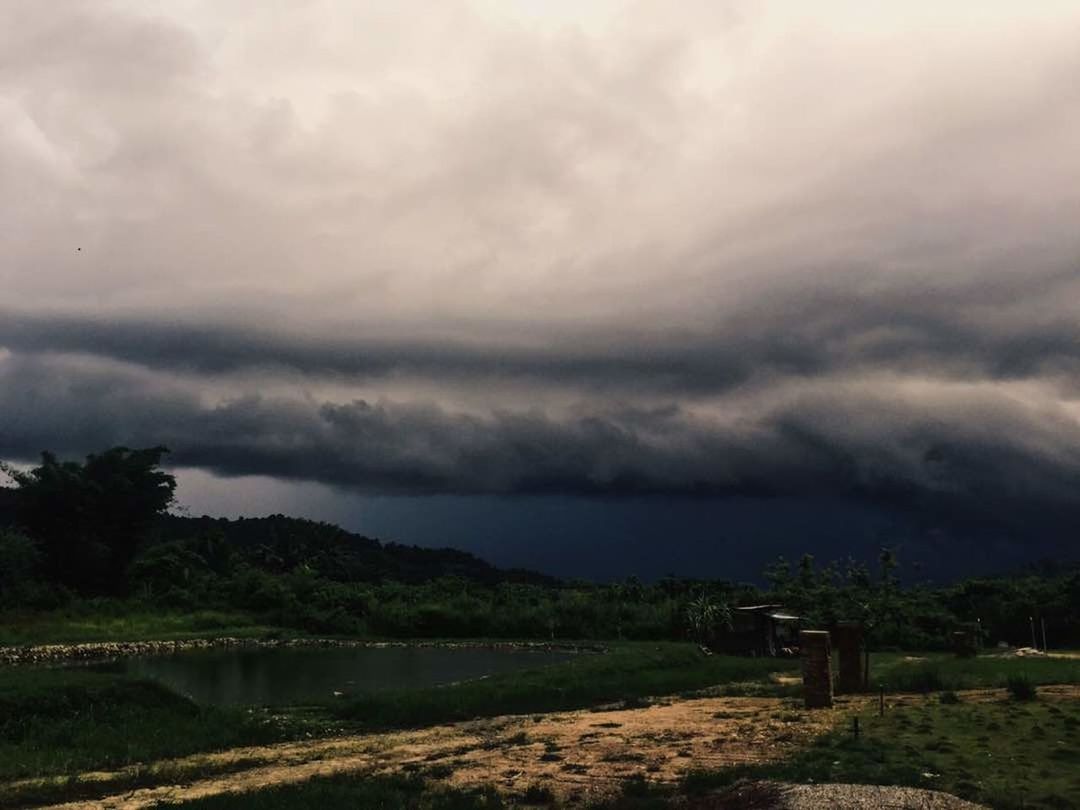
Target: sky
column 603, row 288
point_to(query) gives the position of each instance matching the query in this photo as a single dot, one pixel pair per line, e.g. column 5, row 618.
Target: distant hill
column 281, row 543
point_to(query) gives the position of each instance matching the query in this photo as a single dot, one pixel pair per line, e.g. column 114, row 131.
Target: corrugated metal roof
column 782, row 617
column 749, row 608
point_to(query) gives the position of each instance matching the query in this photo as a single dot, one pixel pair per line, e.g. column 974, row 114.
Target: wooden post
column 816, row 668
column 848, row 638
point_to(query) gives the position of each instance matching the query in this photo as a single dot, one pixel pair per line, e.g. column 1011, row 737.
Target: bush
column 538, row 794
column 1021, row 687
column 921, row 678
column 949, row 697
column 20, row 558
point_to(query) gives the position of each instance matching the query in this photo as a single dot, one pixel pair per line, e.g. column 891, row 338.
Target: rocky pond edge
column 105, row 650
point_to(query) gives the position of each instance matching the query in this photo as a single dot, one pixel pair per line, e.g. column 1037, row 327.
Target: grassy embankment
column 628, row 673
column 113, row 621
column 64, row 720
column 56, row 722
column 60, row 722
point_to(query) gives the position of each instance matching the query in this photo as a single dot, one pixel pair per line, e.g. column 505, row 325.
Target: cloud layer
column 477, row 247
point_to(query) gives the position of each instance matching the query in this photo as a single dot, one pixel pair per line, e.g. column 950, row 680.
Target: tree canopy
column 90, row 517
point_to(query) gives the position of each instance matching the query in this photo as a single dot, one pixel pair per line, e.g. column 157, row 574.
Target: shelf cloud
column 475, row 248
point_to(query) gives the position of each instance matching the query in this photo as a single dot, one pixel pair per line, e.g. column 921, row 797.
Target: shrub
column 949, row 697
column 20, row 556
column 921, row 678
column 538, row 794
column 1021, row 687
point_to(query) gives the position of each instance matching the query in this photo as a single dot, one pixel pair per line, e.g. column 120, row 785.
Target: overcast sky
column 587, row 252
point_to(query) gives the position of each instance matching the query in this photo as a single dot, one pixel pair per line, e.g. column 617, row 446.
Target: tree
column 90, row 517
column 706, row 618
column 19, row 560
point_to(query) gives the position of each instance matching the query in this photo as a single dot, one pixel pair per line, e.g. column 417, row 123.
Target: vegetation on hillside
column 89, row 544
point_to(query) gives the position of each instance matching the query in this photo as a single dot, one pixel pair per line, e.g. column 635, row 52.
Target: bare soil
column 579, row 755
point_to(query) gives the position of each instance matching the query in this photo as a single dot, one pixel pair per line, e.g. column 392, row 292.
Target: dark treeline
column 98, row 532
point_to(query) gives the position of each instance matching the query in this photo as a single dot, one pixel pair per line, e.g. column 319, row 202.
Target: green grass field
column 110, row 623
column 936, row 672
column 1006, row 754
column 56, row 722
column 628, row 673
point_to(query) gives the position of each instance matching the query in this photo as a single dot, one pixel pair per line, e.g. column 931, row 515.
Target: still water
column 294, row 676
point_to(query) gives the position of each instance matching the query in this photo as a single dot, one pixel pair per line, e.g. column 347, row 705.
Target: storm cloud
column 744, row 249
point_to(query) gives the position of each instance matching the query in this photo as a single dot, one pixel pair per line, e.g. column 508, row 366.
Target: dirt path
column 576, row 754
column 579, row 755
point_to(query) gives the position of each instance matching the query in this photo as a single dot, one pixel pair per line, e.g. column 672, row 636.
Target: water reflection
column 292, row 676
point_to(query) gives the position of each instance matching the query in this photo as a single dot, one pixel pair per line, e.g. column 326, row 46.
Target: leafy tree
column 19, row 561
column 707, row 618
column 90, row 517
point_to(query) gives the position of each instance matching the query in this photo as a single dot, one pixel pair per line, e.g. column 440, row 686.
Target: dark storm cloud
column 978, row 453
column 559, row 247
column 1018, row 329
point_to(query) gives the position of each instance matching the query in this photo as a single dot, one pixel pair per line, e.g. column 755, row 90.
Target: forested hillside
column 96, row 536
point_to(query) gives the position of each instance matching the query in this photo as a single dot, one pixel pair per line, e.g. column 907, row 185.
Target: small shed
column 765, row 630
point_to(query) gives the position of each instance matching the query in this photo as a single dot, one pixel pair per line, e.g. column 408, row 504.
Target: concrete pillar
column 816, row 653
column 848, row 638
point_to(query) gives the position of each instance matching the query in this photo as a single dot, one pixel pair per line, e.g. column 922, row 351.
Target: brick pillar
column 848, row 636
column 816, row 668
column 964, row 643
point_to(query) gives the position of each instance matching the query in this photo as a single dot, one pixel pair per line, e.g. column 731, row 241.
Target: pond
column 252, row 676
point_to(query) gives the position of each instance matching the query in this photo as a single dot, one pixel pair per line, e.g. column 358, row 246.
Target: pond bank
column 105, row 650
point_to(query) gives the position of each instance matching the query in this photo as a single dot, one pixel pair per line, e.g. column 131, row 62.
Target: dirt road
column 576, row 754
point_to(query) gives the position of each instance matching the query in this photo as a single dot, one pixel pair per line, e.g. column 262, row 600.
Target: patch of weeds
column 1021, row 688
column 514, row 740
column 636, row 787
column 623, row 756
column 537, row 794
column 440, row 771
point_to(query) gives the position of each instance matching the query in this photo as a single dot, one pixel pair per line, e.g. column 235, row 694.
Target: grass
column 937, row 672
column 1004, row 754
column 62, row 721
column 379, row 793
column 56, row 722
column 628, row 673
column 113, row 622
